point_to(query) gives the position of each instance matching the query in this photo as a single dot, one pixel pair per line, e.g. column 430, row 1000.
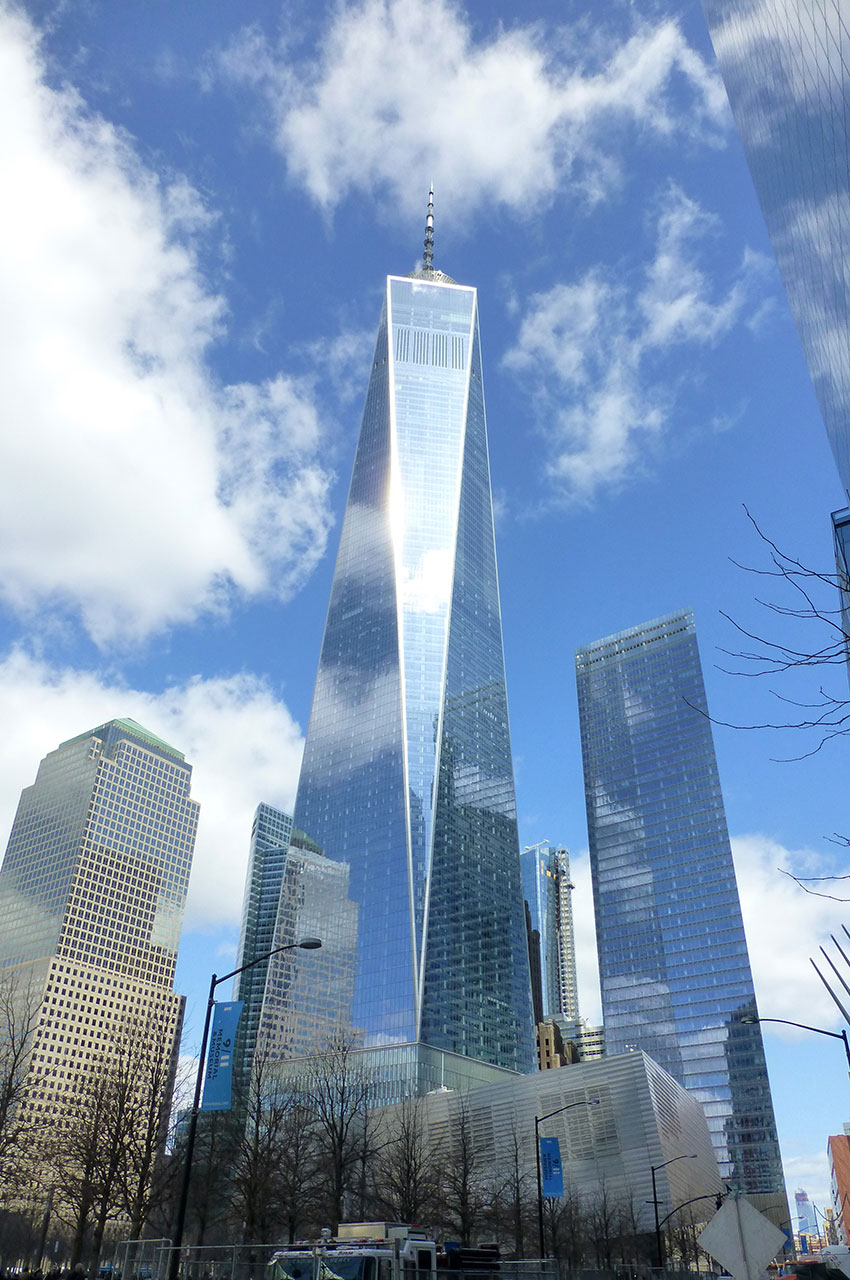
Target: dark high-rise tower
column 673, row 960
column 407, row 773
column 786, row 67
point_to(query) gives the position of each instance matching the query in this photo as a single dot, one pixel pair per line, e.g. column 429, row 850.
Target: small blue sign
column 218, row 1081
column 550, row 1168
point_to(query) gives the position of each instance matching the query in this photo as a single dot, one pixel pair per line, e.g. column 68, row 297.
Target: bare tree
column 405, row 1168
column 565, row 1223
column 338, row 1091
column 20, row 1004
column 85, row 1155
column 514, row 1198
column 813, row 602
column 149, row 1050
column 462, row 1197
column 604, row 1224
column 274, row 1156
column 298, row 1172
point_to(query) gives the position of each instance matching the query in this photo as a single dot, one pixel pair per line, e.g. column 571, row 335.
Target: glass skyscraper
column 786, row 67
column 673, row 961
column 270, row 834
column 407, row 775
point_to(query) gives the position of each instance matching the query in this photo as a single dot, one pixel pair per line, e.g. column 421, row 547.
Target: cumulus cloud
column 239, row 737
column 784, row 979
column 403, row 88
column 594, row 350
column 134, row 488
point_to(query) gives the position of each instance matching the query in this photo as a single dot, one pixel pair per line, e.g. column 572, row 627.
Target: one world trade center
column 407, row 776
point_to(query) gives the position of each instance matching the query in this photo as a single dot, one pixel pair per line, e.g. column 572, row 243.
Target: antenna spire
column 428, row 256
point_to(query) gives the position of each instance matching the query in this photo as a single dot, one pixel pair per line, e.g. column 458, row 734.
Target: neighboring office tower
column 92, row 891
column 673, row 961
column 407, row 775
column 548, row 890
column 786, row 66
column 270, row 834
column 307, row 1002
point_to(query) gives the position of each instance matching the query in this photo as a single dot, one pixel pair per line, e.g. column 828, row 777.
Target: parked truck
column 359, row 1251
column 377, row 1251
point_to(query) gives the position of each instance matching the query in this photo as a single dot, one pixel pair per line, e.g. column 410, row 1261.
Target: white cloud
column 774, row 906
column 133, row 488
column 239, row 737
column 594, row 350
column 784, row 979
column 401, row 92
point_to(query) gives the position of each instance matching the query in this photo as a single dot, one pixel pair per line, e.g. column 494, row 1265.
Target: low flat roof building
column 623, row 1115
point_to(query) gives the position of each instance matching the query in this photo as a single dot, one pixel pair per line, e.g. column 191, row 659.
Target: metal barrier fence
column 149, row 1260
column 143, row 1259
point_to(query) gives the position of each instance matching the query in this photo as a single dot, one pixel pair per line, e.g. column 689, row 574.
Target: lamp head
column 309, row 944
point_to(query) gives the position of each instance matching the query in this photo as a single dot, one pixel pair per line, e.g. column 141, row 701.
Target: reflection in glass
column 407, row 776
column 673, row 961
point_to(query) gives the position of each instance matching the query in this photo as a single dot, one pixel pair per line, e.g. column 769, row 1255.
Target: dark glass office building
column 673, row 961
column 407, row 775
column 786, row 67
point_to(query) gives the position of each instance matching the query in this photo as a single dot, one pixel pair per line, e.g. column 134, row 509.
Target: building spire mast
column 428, row 256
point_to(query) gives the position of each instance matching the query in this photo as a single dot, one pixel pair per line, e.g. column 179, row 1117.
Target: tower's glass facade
column 270, row 834
column 407, row 775
column 673, row 961
column 786, row 66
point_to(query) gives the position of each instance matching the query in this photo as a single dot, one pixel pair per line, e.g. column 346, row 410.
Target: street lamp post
column 821, row 1031
column 654, row 1168
column 538, row 1120
column 308, row 944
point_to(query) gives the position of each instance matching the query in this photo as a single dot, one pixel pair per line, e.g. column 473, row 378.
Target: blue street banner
column 550, row 1168
column 218, row 1081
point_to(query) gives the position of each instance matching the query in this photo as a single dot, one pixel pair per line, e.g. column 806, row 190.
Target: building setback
column 407, row 777
column 92, row 891
column 674, row 969
column 270, row 834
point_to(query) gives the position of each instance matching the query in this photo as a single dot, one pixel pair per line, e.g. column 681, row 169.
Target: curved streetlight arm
column 538, row 1120
column 804, row 1026
column 685, row 1205
column 308, row 944
column 653, row 1169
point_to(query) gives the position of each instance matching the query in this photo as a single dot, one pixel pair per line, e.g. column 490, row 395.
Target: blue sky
column 201, row 204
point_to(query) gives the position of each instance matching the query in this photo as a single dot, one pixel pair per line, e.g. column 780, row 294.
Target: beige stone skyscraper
column 92, row 890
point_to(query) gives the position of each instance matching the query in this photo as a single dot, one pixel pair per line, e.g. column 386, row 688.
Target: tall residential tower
column 407, row 776
column 673, row 961
column 548, row 891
